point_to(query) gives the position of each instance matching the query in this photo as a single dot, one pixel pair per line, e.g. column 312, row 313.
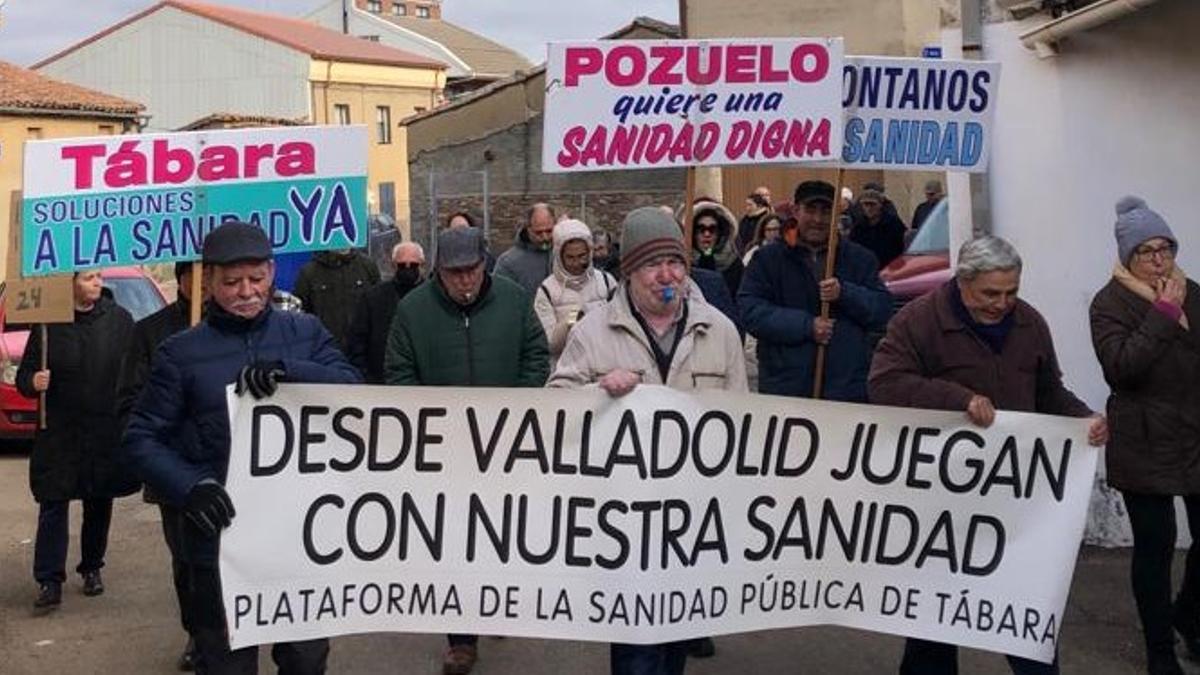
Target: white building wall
column 184, row 67
column 1114, row 114
column 362, row 23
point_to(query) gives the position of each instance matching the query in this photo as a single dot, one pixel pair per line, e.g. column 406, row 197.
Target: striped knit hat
column 647, row 233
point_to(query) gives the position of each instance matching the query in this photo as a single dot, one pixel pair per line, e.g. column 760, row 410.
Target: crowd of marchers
column 737, row 308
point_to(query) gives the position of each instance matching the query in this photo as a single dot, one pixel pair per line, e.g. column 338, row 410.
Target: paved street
column 132, row 628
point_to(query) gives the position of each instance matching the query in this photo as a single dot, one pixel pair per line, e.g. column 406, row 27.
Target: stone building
column 485, row 148
column 472, row 60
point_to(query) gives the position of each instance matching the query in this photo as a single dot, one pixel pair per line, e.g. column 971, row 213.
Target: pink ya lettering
column 630, row 65
column 130, row 166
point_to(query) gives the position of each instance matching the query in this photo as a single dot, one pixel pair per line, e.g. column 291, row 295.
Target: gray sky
column 34, row 29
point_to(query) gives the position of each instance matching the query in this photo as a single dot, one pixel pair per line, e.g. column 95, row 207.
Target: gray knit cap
column 647, row 233
column 1136, row 224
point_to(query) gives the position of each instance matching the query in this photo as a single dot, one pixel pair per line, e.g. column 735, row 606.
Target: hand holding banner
column 655, row 517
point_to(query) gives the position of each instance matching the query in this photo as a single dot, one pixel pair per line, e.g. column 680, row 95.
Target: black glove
column 261, row 379
column 208, row 507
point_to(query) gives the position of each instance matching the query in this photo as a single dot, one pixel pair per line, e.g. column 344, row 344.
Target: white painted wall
column 329, row 15
column 184, row 67
column 1114, row 113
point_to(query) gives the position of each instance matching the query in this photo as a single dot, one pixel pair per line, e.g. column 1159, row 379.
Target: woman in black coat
column 75, row 456
column 1145, row 325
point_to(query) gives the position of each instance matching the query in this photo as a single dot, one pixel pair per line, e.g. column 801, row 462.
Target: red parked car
column 925, row 264
column 132, row 288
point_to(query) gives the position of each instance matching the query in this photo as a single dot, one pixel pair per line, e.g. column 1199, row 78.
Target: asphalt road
column 133, row 628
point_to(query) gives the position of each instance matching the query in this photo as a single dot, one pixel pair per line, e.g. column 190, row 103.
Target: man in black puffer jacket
column 178, row 434
column 148, row 334
column 330, row 285
column 372, row 321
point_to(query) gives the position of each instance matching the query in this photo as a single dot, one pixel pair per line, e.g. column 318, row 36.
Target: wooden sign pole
column 830, row 261
column 39, row 301
column 45, row 335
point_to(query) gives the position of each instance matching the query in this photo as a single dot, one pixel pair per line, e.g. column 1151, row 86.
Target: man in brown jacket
column 973, row 346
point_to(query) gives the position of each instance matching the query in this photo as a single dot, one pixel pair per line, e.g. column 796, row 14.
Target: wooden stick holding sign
column 34, row 300
column 45, row 335
column 830, row 262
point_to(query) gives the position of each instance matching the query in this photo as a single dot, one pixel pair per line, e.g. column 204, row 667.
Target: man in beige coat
column 652, row 332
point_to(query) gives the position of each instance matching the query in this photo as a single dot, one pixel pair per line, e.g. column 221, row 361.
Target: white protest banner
column 663, row 515
column 918, row 114
column 135, row 199
column 641, row 104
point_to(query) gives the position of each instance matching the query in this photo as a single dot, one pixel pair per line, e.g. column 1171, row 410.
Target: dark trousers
column 456, row 639
column 213, row 656
column 668, row 658
column 1152, row 518
column 922, row 657
column 172, row 525
column 53, row 533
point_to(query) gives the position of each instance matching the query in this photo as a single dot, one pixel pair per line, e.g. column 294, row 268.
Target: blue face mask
column 668, row 294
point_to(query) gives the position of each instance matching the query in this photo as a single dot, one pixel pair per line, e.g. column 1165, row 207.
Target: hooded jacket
column 524, row 263
column 77, row 455
column 330, row 286
column 561, row 295
column 747, row 226
column 723, row 257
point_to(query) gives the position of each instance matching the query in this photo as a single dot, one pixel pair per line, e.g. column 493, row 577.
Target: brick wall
column 511, row 158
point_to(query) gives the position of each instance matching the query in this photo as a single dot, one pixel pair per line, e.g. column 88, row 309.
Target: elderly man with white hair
column 973, row 346
column 367, row 341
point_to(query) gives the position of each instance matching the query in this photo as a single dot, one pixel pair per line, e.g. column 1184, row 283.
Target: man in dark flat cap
column 178, row 433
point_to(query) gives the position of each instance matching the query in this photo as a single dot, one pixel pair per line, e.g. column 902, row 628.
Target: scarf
column 993, row 335
column 1145, row 292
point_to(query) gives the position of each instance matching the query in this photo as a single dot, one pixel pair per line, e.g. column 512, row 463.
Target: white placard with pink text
column 641, row 104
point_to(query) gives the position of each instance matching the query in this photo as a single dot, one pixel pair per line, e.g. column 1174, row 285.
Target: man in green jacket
column 468, row 329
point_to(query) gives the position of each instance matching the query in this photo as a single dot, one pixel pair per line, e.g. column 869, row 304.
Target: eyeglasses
column 708, row 229
column 408, row 266
column 1155, row 252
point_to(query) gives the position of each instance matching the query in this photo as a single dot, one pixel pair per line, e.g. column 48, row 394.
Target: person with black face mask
column 367, row 340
